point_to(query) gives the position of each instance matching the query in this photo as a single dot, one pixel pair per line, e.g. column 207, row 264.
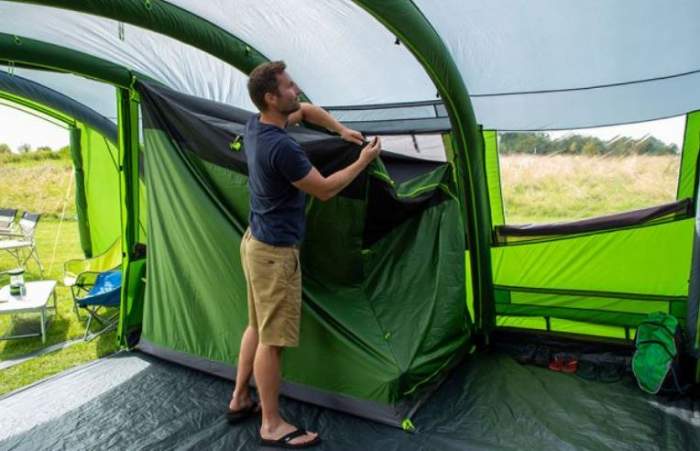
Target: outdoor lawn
column 45, row 186
column 541, row 189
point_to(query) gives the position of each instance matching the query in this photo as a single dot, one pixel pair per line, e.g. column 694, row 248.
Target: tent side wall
column 611, row 278
column 101, row 188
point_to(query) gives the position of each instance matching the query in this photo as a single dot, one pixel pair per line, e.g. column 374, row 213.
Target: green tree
column 64, row 153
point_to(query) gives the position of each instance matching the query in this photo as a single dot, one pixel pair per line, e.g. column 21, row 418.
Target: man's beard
column 291, row 108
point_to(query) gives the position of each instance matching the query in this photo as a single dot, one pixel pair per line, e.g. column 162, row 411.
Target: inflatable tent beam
column 128, row 119
column 25, row 52
column 172, row 21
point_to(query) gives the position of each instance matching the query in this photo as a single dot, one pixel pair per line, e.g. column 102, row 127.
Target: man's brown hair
column 262, row 80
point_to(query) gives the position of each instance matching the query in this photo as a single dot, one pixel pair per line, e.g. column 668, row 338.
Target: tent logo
column 235, row 145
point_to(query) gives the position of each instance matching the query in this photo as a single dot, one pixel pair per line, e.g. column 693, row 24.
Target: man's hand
column 324, row 188
column 351, row 135
column 371, row 150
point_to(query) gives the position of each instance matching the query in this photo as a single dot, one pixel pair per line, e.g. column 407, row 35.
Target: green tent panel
column 80, row 198
column 613, row 278
column 687, row 180
column 100, row 165
column 493, row 177
column 646, row 260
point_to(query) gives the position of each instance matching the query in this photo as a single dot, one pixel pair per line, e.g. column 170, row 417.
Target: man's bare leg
column 241, row 393
column 267, row 377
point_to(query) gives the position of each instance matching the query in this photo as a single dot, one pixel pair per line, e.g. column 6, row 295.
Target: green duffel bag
column 656, row 356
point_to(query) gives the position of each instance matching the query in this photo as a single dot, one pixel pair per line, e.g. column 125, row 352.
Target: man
column 279, row 175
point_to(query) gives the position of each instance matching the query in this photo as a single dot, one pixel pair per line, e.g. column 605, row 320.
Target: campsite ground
column 535, row 188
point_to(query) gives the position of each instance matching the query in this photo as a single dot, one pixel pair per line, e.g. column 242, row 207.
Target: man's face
column 287, row 99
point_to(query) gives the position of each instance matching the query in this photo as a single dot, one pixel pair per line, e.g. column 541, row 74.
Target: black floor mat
column 489, row 402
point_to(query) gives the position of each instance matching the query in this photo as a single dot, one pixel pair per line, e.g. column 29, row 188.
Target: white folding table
column 36, row 300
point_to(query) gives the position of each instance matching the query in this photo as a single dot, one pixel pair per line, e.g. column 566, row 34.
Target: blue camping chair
column 104, row 293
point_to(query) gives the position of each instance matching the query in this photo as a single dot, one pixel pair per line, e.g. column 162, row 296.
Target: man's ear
column 270, row 98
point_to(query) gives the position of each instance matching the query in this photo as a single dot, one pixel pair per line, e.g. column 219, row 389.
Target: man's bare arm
column 324, row 188
column 318, row 116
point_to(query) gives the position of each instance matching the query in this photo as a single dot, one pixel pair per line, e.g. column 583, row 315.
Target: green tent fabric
column 613, row 278
column 101, row 169
column 80, row 200
column 493, row 177
column 384, row 315
column 687, row 179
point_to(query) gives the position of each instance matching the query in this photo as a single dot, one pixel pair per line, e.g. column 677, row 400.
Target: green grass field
column 535, row 189
column 39, row 186
column 541, row 189
column 43, row 186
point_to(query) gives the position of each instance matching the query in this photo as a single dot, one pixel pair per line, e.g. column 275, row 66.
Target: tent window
column 425, row 147
column 560, row 176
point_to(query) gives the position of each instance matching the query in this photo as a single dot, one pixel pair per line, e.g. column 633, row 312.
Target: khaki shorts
column 273, row 278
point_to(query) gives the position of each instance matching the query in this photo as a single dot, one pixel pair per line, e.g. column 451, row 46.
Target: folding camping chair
column 20, row 244
column 7, row 221
column 80, row 274
column 105, row 293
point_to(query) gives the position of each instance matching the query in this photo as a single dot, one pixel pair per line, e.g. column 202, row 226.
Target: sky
column 669, row 131
column 17, row 128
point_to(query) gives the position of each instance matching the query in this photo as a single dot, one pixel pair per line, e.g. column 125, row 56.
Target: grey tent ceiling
column 535, row 64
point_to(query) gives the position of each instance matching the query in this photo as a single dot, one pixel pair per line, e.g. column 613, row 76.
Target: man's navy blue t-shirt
column 275, row 160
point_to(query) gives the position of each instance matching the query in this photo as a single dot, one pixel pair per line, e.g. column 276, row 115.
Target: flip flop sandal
column 236, row 416
column 570, row 365
column 557, row 363
column 283, row 442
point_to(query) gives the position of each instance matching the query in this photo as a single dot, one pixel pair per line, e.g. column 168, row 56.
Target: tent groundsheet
column 134, row 401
